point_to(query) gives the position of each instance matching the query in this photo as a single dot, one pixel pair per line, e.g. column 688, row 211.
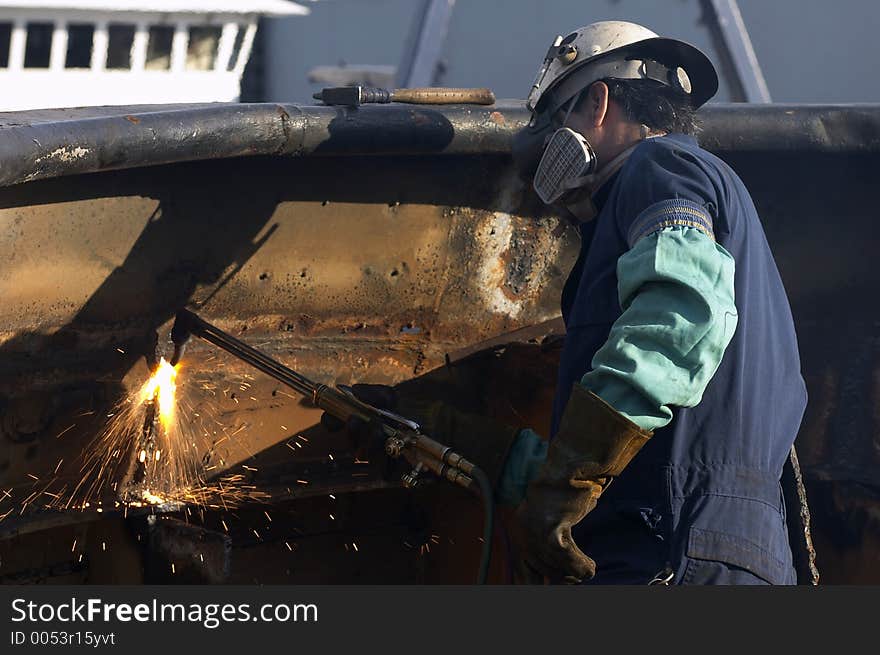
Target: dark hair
column 654, row 104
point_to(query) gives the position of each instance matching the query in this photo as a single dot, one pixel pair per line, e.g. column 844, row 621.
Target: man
column 680, row 378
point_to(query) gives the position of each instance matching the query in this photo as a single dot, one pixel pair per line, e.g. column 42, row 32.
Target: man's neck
column 624, row 139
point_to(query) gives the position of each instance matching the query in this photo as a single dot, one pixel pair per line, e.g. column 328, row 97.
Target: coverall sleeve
column 676, row 289
column 676, row 292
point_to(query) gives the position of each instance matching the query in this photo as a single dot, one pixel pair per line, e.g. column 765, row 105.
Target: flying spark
column 149, row 453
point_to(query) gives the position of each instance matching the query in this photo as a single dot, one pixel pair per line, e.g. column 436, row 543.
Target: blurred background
column 807, row 50
column 64, row 53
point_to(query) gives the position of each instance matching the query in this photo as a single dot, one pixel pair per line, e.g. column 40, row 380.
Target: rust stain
column 133, row 119
column 498, row 118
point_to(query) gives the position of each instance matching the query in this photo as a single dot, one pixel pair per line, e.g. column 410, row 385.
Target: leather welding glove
column 366, row 438
column 594, row 444
column 480, row 439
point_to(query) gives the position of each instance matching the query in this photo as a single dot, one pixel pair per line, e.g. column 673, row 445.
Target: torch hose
column 441, row 459
column 486, row 496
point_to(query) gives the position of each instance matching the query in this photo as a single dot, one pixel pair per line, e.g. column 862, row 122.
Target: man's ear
column 597, row 104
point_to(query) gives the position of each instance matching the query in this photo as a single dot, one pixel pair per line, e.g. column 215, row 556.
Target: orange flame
column 162, row 386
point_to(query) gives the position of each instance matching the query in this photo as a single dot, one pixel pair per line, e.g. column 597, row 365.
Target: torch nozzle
column 178, row 354
column 181, row 331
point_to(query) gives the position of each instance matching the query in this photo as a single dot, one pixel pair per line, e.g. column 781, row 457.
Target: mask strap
column 571, row 106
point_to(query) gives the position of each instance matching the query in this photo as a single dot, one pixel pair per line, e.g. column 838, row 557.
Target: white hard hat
column 624, row 51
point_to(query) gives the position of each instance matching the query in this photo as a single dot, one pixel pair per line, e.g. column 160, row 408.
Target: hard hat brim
column 672, row 52
column 669, row 52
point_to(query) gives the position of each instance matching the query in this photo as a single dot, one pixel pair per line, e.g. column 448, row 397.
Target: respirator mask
column 562, row 165
column 565, row 173
column 564, row 168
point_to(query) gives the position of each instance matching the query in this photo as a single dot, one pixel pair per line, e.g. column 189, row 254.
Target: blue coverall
column 720, row 385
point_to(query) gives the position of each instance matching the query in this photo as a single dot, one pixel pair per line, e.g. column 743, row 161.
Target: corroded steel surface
column 368, row 268
column 347, row 270
column 54, row 142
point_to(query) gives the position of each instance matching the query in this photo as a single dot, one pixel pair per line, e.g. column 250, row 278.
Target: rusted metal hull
column 379, row 245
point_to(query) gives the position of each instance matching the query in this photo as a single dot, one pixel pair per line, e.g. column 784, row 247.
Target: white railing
column 132, row 61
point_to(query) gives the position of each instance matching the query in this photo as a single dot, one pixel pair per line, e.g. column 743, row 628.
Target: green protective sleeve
column 676, row 289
